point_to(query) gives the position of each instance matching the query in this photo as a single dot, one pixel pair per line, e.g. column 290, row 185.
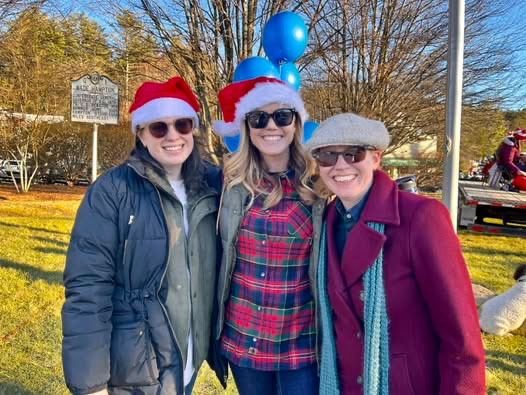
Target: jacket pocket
column 400, row 381
column 132, row 357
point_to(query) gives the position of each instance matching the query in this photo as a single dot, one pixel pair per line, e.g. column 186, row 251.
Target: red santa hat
column 519, row 134
column 154, row 100
column 241, row 97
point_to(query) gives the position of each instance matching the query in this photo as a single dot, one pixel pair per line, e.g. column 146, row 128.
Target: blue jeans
column 283, row 382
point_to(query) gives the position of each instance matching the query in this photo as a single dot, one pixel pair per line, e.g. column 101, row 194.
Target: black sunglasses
column 281, row 117
column 353, row 154
column 159, row 129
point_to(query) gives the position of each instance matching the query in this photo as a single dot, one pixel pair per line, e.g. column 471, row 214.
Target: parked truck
column 483, row 209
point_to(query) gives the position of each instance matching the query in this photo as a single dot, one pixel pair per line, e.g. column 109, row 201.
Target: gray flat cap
column 349, row 129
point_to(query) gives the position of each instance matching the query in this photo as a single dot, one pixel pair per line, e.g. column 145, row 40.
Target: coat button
column 362, row 296
column 179, row 286
column 359, row 335
column 359, row 380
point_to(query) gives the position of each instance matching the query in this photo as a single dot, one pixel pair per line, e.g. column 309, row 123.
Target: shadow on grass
column 498, row 360
column 52, row 241
column 490, row 252
column 467, row 232
column 13, row 389
column 34, row 273
column 47, row 250
column 33, row 228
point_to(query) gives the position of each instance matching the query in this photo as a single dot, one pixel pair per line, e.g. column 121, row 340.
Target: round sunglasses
column 281, row 117
column 353, row 154
column 160, row 129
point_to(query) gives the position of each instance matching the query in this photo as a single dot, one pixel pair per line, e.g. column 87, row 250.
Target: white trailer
column 478, row 202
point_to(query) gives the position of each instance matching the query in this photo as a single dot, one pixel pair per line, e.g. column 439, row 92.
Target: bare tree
column 387, row 60
column 203, row 41
column 11, row 8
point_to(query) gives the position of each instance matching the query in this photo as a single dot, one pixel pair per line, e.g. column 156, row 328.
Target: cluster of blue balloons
column 284, row 41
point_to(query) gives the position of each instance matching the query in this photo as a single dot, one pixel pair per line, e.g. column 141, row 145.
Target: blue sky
column 511, row 24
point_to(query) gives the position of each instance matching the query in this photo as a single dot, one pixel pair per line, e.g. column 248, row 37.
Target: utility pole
column 453, row 107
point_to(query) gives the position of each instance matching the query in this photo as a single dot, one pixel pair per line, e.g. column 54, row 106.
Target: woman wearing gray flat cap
column 397, row 310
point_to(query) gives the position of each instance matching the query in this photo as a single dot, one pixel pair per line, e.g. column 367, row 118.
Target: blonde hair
column 245, row 167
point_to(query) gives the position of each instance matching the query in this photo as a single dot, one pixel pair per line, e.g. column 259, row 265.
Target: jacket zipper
column 167, row 259
column 126, row 276
column 164, row 274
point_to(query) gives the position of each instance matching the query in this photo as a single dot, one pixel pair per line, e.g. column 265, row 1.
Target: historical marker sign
column 95, row 99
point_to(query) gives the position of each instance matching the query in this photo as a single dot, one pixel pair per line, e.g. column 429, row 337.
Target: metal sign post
column 454, row 107
column 95, row 99
column 94, row 164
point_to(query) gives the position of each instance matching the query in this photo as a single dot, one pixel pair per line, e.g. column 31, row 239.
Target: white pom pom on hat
column 241, row 97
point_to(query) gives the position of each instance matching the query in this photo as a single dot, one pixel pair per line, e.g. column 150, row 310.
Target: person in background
column 521, row 164
column 267, row 326
column 141, row 264
column 397, row 310
column 507, row 155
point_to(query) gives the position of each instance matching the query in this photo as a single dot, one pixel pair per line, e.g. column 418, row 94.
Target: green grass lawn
column 35, row 235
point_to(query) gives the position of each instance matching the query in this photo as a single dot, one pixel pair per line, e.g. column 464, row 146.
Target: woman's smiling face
column 350, row 181
column 272, row 141
column 172, row 150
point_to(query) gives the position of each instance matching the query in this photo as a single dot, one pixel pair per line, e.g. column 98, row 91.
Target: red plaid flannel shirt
column 270, row 321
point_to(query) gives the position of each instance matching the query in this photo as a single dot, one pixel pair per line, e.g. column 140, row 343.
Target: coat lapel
column 340, row 298
column 361, row 250
column 363, row 243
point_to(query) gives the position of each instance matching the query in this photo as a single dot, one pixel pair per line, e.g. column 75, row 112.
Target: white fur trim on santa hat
column 262, row 94
column 163, row 107
column 225, row 129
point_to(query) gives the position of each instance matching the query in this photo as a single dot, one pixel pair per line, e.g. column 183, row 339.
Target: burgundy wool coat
column 435, row 343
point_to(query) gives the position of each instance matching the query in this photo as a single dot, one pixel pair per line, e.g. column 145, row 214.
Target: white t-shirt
column 180, row 192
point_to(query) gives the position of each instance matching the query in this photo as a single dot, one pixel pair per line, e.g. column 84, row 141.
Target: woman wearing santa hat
column 266, row 327
column 142, row 258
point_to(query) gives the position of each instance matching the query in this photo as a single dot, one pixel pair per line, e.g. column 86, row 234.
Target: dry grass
column 35, row 233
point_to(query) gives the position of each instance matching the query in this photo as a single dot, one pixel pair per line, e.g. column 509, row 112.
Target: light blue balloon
column 253, row 67
column 308, row 128
column 291, row 75
column 232, row 142
column 285, row 37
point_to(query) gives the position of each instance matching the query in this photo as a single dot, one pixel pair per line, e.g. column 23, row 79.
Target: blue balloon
column 232, row 142
column 253, row 67
column 308, row 129
column 284, row 37
column 291, row 75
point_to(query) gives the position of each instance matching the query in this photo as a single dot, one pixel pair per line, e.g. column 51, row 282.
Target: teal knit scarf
column 376, row 350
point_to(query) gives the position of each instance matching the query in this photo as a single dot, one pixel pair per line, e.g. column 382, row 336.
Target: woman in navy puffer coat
column 141, row 264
